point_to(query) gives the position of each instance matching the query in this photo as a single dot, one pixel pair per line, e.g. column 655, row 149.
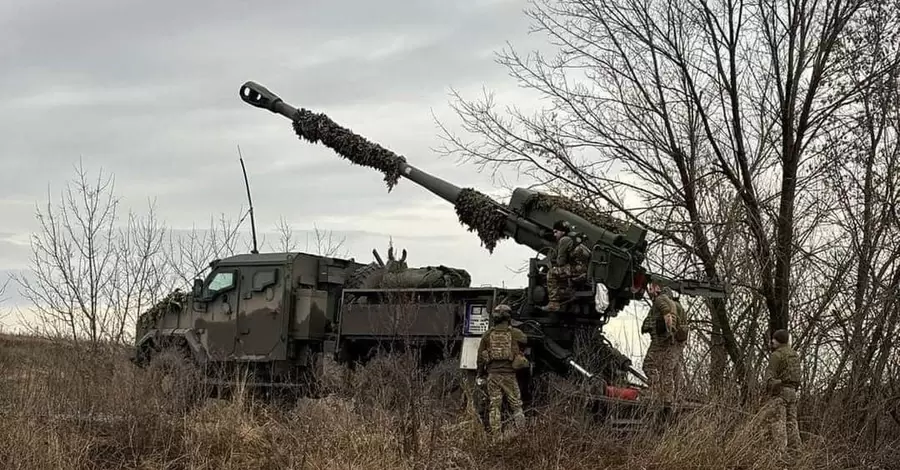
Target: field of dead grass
column 67, row 408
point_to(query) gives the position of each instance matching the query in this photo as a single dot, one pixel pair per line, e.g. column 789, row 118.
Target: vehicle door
column 262, row 320
column 221, row 295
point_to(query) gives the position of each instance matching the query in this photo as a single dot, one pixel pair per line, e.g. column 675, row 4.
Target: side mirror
column 198, row 288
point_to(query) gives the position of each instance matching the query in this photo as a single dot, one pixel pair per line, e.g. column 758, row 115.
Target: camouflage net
column 478, row 212
column 397, row 274
column 169, row 303
column 426, row 277
column 546, row 202
column 358, row 150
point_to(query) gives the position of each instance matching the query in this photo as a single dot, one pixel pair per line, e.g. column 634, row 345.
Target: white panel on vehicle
column 601, row 298
column 479, row 320
column 468, row 358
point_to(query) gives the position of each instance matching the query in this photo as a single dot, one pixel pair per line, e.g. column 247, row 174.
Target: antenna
column 250, row 201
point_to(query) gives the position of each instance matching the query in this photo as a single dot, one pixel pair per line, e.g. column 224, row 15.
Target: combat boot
column 519, row 419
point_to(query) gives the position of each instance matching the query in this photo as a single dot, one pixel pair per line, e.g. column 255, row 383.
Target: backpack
column 662, row 329
column 500, row 345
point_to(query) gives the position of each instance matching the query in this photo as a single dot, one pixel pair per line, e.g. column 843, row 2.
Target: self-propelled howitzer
column 617, row 248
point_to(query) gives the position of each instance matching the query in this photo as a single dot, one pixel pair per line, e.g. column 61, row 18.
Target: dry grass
column 69, row 408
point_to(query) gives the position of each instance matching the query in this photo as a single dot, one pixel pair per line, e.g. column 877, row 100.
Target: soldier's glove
column 670, row 321
column 484, row 357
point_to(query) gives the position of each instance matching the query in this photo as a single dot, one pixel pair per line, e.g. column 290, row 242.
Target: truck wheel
column 359, row 277
column 177, row 380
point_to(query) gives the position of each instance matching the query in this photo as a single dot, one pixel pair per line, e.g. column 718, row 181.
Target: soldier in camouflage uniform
column 499, row 354
column 667, row 333
column 570, row 265
column 681, row 337
column 782, row 380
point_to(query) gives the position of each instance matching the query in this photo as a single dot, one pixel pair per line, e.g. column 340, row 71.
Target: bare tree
column 189, row 252
column 92, row 272
column 319, row 242
column 853, row 327
column 286, row 240
column 139, row 278
column 694, row 119
column 325, row 243
column 3, row 294
column 88, row 277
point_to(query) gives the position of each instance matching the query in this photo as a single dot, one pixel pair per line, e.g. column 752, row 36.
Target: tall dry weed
column 69, row 408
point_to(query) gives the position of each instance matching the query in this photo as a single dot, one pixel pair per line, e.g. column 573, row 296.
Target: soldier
column 500, row 355
column 570, row 265
column 681, row 337
column 782, row 380
column 661, row 360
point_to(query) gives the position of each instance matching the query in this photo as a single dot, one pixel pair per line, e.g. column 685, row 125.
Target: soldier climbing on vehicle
column 569, row 268
column 500, row 356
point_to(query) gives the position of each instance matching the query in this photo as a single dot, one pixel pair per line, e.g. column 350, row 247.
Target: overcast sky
column 149, row 91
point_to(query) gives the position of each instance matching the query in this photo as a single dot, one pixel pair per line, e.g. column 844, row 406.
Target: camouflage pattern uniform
column 663, row 358
column 678, row 349
column 501, row 380
column 782, row 380
column 569, row 267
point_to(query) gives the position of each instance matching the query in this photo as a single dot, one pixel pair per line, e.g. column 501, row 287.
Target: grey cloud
column 13, row 254
column 154, row 89
column 149, row 92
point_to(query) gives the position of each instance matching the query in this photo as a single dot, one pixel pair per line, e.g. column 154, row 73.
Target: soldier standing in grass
column 499, row 354
column 666, row 338
column 782, row 380
column 570, row 265
column 681, row 337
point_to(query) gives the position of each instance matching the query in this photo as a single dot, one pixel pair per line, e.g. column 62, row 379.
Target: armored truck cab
column 274, row 309
column 274, row 314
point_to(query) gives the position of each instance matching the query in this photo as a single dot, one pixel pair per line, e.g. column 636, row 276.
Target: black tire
column 361, row 275
column 176, row 379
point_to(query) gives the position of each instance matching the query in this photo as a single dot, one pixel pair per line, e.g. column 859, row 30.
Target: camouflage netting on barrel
column 474, row 209
column 317, row 127
column 546, row 202
column 169, row 303
column 478, row 212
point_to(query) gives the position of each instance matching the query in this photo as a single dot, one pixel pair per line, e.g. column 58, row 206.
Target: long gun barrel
column 490, row 219
column 259, row 96
column 618, row 248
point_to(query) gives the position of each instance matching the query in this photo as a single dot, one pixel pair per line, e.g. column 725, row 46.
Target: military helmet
column 501, row 312
column 561, row 225
column 781, row 336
